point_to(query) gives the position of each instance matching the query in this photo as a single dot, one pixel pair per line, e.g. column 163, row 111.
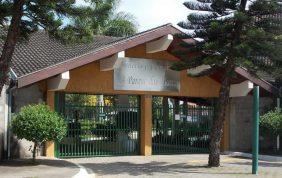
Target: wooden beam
column 159, row 45
column 241, row 89
column 112, row 62
column 198, row 69
column 59, row 82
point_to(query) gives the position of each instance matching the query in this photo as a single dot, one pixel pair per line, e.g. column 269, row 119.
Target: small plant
column 271, row 122
column 37, row 123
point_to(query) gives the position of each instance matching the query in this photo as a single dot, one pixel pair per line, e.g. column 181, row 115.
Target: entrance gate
column 98, row 127
column 179, row 129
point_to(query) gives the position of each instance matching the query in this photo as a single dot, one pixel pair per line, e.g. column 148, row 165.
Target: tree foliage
column 62, row 19
column 271, row 122
column 256, row 45
column 229, row 34
column 99, row 18
column 48, row 15
column 38, row 124
column 121, row 24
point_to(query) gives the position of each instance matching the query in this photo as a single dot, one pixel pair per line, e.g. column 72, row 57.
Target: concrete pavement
column 44, row 168
column 193, row 166
column 166, row 166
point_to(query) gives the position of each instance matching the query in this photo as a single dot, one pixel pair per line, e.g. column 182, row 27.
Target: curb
column 83, row 173
column 261, row 157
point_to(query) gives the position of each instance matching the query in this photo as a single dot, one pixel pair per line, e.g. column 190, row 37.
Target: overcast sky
column 152, row 13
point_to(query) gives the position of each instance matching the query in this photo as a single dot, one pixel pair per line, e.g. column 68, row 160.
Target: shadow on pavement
column 28, row 162
column 149, row 169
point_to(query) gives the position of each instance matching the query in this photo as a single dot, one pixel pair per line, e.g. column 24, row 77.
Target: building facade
column 119, row 97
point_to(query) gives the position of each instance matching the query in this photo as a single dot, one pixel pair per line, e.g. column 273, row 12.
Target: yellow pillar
column 50, row 146
column 50, row 149
column 146, row 125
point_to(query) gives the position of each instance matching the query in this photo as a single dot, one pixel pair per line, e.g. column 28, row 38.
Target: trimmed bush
column 271, row 122
column 38, row 124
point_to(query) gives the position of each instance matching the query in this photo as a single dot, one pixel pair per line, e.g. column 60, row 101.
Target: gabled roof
column 42, row 57
column 41, row 52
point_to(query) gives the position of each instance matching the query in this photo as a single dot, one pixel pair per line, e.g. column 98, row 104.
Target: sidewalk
column 44, row 168
column 174, row 166
column 249, row 155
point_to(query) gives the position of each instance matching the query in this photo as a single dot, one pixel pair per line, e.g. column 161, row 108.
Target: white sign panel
column 177, row 117
column 189, row 118
column 146, row 75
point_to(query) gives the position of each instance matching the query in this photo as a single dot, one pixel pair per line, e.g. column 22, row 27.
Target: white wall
column 2, row 120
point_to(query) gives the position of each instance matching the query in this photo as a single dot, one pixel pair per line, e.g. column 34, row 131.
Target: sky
column 153, row 13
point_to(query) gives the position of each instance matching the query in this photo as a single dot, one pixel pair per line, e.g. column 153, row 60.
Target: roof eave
column 258, row 81
column 96, row 55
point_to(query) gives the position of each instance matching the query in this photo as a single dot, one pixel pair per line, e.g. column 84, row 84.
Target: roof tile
column 41, row 51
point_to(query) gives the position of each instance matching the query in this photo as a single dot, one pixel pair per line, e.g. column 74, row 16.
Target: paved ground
column 45, row 168
column 193, row 166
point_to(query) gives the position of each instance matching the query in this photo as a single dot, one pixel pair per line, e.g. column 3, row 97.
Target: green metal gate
column 96, row 129
column 182, row 129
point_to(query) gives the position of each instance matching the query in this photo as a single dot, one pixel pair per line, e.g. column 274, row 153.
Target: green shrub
column 271, row 122
column 37, row 123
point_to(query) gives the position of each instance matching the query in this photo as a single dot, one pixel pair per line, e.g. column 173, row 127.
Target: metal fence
column 183, row 130
column 97, row 130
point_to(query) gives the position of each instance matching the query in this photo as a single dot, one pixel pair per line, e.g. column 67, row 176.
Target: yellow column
column 146, row 125
column 50, row 146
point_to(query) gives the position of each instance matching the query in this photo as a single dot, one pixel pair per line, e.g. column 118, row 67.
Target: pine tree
column 229, row 34
column 20, row 18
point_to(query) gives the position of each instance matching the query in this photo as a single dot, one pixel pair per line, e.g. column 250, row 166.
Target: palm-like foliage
column 229, row 34
column 100, row 18
column 121, row 24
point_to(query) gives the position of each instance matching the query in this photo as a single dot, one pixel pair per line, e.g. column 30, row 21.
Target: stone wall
column 241, row 121
column 22, row 97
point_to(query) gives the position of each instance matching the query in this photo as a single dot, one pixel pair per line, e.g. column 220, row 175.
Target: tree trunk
column 11, row 41
column 34, row 152
column 218, row 121
column 223, row 100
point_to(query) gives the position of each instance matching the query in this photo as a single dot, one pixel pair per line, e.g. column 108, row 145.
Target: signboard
column 145, row 75
column 177, row 117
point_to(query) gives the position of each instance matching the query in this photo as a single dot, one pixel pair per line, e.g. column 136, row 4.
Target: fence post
column 255, row 148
